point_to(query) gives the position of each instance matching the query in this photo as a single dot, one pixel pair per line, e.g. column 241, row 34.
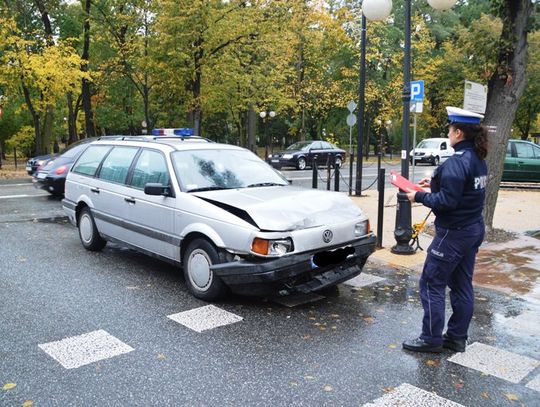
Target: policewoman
column 457, row 199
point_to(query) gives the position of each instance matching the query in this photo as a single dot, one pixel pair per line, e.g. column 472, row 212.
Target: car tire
column 301, row 164
column 88, row 232
column 338, row 162
column 436, row 161
column 200, row 279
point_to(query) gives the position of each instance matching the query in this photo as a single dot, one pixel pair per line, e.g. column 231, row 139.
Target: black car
column 34, row 163
column 302, row 154
column 52, row 176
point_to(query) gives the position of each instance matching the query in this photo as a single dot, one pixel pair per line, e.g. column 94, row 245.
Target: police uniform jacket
column 458, row 188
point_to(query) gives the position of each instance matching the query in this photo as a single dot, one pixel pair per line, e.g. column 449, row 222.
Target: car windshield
column 204, row 170
column 428, row 144
column 301, row 145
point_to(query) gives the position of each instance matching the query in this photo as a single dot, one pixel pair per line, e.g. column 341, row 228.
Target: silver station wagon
column 228, row 219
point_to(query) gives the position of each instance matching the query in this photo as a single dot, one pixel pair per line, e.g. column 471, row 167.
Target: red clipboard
column 403, row 183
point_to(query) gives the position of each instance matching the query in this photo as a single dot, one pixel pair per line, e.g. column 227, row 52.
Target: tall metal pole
column 361, row 108
column 403, row 230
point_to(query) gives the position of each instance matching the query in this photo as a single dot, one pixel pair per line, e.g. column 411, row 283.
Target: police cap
column 457, row 115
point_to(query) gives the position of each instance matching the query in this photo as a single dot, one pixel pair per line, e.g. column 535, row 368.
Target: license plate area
column 331, row 257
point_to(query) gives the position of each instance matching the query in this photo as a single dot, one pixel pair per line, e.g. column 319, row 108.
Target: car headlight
column 287, row 156
column 271, row 247
column 362, row 228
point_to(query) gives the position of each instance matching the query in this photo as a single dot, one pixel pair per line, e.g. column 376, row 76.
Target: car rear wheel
column 301, row 164
column 436, row 161
column 339, row 162
column 88, row 233
column 201, row 280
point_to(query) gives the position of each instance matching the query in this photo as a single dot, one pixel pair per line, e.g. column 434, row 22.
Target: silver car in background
column 221, row 213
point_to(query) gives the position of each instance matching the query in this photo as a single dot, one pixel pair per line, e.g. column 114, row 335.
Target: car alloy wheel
column 301, row 165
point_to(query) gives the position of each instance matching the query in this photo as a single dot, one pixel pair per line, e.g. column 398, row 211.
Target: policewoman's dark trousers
column 450, row 262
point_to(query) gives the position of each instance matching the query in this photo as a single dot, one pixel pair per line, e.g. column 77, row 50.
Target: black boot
column 457, row 345
column 419, row 345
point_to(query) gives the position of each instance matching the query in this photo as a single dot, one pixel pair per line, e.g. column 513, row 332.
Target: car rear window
column 89, row 161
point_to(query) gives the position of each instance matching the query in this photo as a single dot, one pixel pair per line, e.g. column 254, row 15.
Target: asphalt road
column 342, row 350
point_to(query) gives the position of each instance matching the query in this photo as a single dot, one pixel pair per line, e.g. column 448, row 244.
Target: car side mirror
column 154, row 188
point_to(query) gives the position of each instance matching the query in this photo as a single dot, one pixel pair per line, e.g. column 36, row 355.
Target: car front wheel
column 88, row 233
column 201, row 280
column 301, row 164
column 436, row 161
column 338, row 162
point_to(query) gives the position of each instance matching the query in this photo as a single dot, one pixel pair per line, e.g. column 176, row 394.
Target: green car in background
column 522, row 162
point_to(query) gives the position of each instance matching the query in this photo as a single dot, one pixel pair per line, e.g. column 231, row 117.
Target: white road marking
column 21, row 196
column 205, row 318
column 363, row 280
column 534, row 383
column 500, row 363
column 77, row 351
column 407, row 395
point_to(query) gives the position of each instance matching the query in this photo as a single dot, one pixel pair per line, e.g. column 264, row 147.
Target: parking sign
column 417, row 91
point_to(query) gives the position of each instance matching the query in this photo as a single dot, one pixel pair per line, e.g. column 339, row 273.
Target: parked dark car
column 301, row 155
column 522, row 162
column 52, row 176
column 34, row 163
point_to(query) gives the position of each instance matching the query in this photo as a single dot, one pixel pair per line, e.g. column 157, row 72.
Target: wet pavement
column 342, row 348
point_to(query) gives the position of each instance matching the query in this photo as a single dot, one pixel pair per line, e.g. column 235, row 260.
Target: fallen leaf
column 9, row 386
column 369, row 320
column 312, row 318
column 161, row 356
column 485, row 395
column 431, row 362
column 511, row 396
column 306, row 337
column 389, row 389
column 328, row 388
column 392, row 346
column 458, row 385
column 309, row 378
column 294, row 384
column 28, row 403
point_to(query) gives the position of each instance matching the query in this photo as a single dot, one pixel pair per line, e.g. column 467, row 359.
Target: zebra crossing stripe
column 407, row 395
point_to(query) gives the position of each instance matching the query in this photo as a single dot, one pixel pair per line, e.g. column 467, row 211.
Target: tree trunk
column 504, row 91
column 86, row 92
column 251, row 128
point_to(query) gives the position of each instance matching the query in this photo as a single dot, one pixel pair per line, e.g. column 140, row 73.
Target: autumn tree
column 505, row 88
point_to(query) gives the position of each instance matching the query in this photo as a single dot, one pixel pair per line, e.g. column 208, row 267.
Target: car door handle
column 521, row 162
column 129, row 200
column 95, row 190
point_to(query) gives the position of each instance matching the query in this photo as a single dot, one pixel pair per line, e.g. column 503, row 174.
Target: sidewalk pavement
column 512, row 266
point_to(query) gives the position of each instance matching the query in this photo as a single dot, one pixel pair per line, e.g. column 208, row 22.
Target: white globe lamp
column 376, row 10
column 442, row 4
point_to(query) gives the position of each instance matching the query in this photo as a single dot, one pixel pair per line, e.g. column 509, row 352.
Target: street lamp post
column 380, row 10
column 264, row 114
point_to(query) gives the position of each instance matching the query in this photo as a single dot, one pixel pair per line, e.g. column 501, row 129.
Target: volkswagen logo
column 327, row 236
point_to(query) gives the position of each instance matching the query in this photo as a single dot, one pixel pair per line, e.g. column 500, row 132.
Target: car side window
column 89, row 161
column 316, row 145
column 509, row 150
column 116, row 165
column 524, row 150
column 326, row 146
column 536, row 151
column 150, row 167
column 443, row 145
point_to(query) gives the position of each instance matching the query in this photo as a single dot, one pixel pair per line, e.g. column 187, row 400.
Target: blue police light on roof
column 183, row 131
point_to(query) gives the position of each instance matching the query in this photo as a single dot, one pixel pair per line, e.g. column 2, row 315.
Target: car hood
column 286, row 208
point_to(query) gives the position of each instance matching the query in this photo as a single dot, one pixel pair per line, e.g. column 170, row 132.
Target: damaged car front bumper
column 303, row 272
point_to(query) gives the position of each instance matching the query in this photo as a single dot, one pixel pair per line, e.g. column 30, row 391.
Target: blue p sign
column 417, row 91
